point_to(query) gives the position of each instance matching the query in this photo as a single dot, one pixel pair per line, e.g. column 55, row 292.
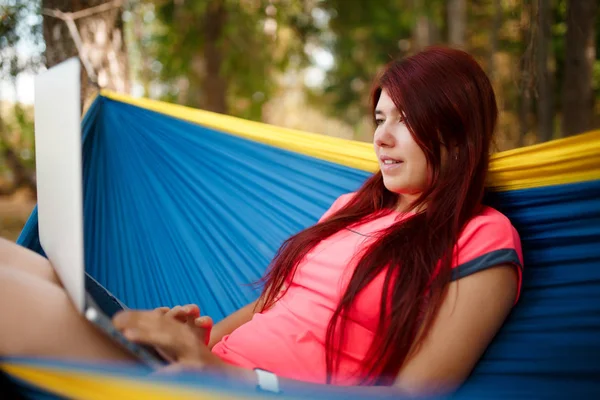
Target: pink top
column 289, row 338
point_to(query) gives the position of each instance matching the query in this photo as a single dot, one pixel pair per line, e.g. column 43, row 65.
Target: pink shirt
column 289, row 338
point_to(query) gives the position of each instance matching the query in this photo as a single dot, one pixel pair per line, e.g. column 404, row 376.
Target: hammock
column 186, row 206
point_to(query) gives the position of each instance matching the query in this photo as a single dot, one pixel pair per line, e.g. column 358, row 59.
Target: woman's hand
column 184, row 343
column 190, row 314
column 181, row 313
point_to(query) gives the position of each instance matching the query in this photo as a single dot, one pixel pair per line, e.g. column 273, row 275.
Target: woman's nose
column 383, row 137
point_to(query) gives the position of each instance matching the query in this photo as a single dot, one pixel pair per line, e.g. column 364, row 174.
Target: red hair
column 449, row 103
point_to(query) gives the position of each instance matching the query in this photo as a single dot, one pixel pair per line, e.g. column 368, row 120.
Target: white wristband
column 267, row 381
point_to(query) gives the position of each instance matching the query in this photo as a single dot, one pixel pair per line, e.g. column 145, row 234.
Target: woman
column 398, row 289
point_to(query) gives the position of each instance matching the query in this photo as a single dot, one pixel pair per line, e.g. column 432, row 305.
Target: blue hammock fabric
column 179, row 213
column 183, row 213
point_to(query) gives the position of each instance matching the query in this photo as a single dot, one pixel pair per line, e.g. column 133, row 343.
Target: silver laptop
column 58, row 143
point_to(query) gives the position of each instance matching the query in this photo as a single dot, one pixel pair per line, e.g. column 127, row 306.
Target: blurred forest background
column 305, row 64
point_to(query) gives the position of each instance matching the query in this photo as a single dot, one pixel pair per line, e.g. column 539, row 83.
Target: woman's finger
column 184, row 313
column 192, row 310
column 204, row 322
column 167, row 334
column 153, row 337
column 146, row 326
column 203, row 327
column 179, row 313
column 124, row 319
column 173, row 312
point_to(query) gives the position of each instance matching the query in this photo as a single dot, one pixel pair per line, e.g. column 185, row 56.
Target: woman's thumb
column 204, row 322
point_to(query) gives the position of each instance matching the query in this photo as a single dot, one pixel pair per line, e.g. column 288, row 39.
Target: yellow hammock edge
column 560, row 161
column 91, row 386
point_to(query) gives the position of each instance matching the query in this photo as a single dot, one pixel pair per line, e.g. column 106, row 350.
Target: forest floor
column 14, row 211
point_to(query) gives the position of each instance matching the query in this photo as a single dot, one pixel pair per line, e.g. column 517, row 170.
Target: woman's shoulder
column 344, row 199
column 338, row 204
column 489, row 239
column 488, row 218
column 491, row 234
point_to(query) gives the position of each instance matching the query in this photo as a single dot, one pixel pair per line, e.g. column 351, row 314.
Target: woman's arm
column 231, row 323
column 471, row 314
column 473, row 311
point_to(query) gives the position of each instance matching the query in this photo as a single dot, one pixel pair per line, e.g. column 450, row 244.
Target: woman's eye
column 379, row 121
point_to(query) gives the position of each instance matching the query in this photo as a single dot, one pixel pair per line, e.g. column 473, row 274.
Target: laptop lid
column 58, row 144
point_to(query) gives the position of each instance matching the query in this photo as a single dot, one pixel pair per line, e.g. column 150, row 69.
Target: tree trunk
column 525, row 85
column 577, row 93
column 144, row 74
column 425, row 31
column 59, row 44
column 215, row 86
column 496, row 25
column 457, row 22
column 102, row 43
column 545, row 101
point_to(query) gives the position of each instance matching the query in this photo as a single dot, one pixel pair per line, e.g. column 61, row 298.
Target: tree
column 544, row 84
column 98, row 27
column 426, row 30
column 363, row 37
column 580, row 53
column 16, row 133
column 226, row 55
column 229, row 56
column 526, row 72
column 457, row 23
column 496, row 26
column 214, row 82
column 22, row 170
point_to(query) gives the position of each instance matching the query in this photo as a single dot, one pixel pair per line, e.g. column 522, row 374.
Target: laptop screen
column 59, row 173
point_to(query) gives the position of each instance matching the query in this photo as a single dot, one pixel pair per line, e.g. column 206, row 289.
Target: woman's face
column 401, row 160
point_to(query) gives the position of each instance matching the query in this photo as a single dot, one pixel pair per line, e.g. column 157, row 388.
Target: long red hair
column 449, row 103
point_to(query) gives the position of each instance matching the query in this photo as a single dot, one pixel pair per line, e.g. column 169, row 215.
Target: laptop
column 58, row 143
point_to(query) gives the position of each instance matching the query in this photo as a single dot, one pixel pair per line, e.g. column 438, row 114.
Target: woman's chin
column 401, row 188
column 394, row 186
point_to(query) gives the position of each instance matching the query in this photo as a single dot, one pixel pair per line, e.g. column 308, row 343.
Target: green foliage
column 366, row 36
column 9, row 17
column 363, row 36
column 18, row 135
column 259, row 39
column 20, row 26
column 19, row 22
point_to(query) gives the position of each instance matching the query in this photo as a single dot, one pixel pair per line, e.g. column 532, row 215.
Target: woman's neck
column 406, row 203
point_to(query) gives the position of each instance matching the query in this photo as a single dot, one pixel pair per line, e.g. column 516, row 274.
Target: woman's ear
column 453, row 151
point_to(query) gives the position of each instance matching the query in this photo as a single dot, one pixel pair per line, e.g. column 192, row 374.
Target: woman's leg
column 17, row 257
column 38, row 319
